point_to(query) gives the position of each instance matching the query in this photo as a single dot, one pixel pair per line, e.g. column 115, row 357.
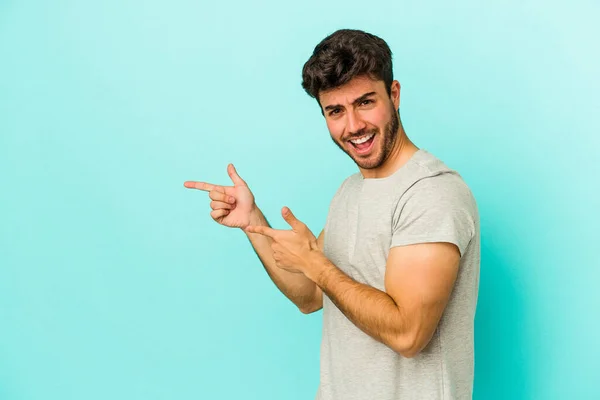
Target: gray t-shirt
column 423, row 201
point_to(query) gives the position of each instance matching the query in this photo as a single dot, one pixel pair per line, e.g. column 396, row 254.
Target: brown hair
column 343, row 55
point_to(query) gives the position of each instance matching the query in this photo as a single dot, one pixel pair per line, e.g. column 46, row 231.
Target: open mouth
column 363, row 144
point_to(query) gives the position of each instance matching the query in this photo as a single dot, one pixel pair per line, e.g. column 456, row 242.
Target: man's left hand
column 292, row 249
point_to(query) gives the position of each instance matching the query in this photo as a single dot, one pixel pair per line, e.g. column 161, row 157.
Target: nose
column 355, row 123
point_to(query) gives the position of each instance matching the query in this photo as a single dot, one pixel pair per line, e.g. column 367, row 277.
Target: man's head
column 350, row 76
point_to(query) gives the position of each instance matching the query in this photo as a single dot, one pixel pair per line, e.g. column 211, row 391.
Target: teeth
column 363, row 139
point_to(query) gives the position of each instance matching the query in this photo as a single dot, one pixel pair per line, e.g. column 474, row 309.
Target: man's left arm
column 419, row 279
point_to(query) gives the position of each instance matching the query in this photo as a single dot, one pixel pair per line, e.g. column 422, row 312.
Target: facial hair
column 389, row 139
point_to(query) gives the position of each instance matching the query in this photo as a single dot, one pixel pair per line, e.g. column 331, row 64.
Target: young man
column 396, row 267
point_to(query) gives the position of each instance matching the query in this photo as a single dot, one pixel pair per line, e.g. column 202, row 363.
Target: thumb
column 235, row 178
column 290, row 218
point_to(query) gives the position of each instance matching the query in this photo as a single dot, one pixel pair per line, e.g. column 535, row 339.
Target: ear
column 395, row 94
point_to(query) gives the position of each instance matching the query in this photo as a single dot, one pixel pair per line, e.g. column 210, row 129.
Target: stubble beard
column 389, row 139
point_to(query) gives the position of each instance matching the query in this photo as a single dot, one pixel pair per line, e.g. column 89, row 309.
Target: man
column 396, row 267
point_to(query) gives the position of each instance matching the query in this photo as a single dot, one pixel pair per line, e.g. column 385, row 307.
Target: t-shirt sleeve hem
column 405, row 241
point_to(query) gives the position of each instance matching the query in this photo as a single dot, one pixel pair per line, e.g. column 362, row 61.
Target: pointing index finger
column 262, row 230
column 207, row 187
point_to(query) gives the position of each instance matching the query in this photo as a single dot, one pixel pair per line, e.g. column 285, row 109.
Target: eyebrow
column 357, row 101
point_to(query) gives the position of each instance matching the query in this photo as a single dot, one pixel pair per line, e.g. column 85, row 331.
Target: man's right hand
column 232, row 206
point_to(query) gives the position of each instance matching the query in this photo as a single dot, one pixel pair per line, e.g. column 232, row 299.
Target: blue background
column 115, row 283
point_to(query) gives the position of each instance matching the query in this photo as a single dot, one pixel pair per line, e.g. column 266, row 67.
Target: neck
column 402, row 151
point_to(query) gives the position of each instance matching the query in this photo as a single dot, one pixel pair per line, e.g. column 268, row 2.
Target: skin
column 360, row 107
column 419, row 278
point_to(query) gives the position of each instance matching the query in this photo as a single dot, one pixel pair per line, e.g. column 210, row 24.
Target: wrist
column 255, row 218
column 317, row 263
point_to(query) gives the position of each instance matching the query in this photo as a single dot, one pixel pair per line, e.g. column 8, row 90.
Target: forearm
column 295, row 286
column 370, row 309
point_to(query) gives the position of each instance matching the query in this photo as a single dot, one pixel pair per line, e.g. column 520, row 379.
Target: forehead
column 350, row 91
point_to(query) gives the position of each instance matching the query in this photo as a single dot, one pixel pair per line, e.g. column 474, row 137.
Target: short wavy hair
column 343, row 55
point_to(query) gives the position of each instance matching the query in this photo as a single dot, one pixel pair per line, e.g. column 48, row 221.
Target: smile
column 363, row 145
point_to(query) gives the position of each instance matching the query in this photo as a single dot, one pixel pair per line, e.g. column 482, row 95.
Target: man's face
column 361, row 109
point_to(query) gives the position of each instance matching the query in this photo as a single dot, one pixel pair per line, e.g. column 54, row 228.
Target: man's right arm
column 303, row 292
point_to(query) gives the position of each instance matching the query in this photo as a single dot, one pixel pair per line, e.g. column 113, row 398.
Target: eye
column 334, row 111
column 365, row 102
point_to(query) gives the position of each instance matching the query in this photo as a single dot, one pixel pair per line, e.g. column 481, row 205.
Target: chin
column 372, row 162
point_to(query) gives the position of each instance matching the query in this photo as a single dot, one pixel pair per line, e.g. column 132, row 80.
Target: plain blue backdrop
column 115, row 283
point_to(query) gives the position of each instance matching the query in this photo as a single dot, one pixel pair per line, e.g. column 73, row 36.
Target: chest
column 358, row 236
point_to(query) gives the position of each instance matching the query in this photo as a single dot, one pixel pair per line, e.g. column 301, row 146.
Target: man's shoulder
column 432, row 176
column 440, row 187
column 424, row 164
column 434, row 185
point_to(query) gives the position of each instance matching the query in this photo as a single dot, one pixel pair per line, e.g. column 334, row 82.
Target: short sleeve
column 435, row 209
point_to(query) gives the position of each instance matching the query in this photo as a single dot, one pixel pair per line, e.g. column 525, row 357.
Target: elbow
column 309, row 308
column 405, row 348
column 410, row 353
column 311, row 305
column 408, row 345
